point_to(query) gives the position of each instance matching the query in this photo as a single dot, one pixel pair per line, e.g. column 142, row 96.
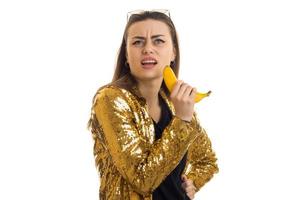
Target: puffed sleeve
column 202, row 160
column 143, row 168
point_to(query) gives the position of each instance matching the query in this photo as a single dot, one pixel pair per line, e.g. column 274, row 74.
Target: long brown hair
column 121, row 68
column 122, row 72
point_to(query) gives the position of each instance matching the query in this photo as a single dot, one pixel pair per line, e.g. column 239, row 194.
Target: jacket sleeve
column 142, row 165
column 201, row 164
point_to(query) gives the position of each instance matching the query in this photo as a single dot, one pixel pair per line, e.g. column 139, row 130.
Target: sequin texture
column 130, row 162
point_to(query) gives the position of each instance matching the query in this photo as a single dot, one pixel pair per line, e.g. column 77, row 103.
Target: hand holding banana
column 170, row 81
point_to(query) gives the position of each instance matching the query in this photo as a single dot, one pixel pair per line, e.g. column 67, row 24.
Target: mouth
column 148, row 63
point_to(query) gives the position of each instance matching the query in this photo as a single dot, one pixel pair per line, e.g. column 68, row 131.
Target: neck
column 150, row 90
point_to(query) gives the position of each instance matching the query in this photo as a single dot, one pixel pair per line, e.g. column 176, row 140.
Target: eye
column 137, row 43
column 159, row 41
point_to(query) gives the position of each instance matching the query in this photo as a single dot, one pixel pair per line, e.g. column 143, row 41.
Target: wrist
column 186, row 119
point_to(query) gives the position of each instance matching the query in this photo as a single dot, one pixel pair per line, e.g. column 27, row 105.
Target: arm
column 202, row 161
column 141, row 164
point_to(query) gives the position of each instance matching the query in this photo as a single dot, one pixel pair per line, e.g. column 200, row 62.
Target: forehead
column 148, row 27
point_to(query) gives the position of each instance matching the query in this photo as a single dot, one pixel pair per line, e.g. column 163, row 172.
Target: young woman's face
column 149, row 49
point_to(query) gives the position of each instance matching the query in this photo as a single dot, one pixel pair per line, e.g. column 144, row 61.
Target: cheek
column 167, row 52
column 133, row 55
column 166, row 56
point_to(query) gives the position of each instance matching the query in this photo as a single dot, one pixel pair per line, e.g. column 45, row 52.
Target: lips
column 149, row 60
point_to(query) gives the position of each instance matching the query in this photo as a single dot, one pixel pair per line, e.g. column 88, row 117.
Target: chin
column 148, row 76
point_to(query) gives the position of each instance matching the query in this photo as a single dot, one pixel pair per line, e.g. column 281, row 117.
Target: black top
column 170, row 188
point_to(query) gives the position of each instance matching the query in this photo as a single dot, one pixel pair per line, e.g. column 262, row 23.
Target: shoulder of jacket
column 112, row 92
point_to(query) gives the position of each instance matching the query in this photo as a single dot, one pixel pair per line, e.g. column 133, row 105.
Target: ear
column 174, row 54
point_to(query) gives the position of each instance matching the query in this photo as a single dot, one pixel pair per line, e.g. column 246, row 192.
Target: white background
column 55, row 54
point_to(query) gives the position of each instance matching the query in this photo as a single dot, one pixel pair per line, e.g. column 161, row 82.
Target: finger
column 187, row 93
column 182, row 90
column 193, row 93
column 189, row 185
column 191, row 192
column 189, row 182
column 176, row 88
column 190, row 189
column 186, row 182
column 184, row 185
column 191, row 196
column 184, row 178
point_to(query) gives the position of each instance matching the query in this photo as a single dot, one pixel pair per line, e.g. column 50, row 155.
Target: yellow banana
column 170, row 80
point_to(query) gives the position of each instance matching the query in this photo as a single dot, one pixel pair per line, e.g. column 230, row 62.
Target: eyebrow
column 143, row 38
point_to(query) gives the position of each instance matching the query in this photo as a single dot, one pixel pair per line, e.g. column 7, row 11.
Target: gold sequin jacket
column 130, row 162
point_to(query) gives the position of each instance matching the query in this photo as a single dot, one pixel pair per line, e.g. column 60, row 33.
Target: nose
column 148, row 48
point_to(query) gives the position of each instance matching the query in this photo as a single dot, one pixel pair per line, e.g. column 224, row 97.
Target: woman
column 148, row 142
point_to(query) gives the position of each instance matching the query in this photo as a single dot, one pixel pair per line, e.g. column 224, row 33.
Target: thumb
column 183, row 177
